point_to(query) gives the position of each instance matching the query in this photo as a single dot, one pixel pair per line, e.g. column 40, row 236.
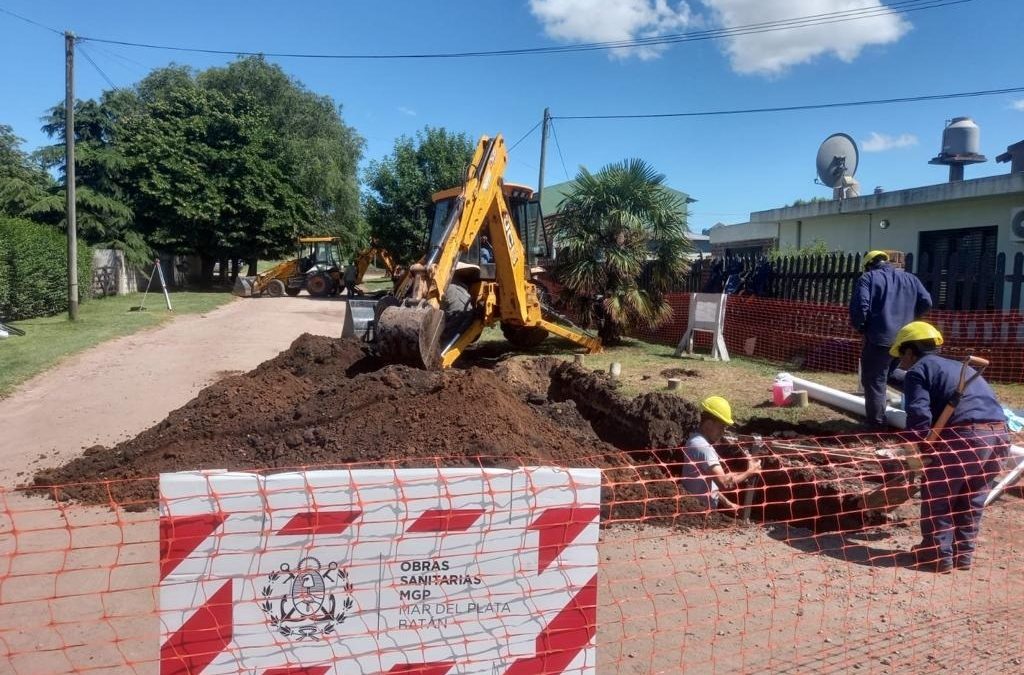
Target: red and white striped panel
column 413, row 571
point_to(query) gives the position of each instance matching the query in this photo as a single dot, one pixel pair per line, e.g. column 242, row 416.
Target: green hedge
column 33, row 264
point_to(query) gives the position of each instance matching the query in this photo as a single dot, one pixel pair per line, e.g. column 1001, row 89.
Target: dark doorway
column 957, row 267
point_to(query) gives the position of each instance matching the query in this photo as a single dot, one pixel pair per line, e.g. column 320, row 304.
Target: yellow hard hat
column 717, row 407
column 870, row 256
column 913, row 331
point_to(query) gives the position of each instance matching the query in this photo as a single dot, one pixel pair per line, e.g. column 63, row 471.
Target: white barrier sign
column 707, row 313
column 427, row 571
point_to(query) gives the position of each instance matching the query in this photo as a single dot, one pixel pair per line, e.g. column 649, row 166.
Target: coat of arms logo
column 302, row 603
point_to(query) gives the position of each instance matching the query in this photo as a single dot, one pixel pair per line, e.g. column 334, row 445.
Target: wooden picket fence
column 954, row 281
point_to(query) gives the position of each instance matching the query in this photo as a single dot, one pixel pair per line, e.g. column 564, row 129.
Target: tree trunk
column 253, row 267
column 206, row 271
column 235, row 264
column 610, row 333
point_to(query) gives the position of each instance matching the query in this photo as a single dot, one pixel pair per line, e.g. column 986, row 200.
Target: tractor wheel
column 276, row 288
column 458, row 311
column 319, row 285
column 292, row 291
column 523, row 337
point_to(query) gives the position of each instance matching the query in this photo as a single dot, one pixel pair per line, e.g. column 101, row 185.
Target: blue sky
column 732, row 165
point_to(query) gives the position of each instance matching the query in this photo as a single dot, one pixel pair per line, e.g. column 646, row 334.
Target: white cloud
column 406, row 111
column 1018, row 104
column 762, row 53
column 877, row 142
column 772, row 52
column 609, row 20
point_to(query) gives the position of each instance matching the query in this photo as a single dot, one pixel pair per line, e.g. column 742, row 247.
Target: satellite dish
column 837, row 160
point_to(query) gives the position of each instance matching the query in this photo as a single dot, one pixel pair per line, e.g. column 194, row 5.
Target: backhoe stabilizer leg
column 591, row 344
column 467, row 338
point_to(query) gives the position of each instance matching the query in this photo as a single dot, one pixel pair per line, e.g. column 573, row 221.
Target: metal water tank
column 961, row 137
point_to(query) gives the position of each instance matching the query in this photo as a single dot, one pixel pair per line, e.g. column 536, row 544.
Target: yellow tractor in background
column 476, row 272
column 317, row 269
column 315, row 257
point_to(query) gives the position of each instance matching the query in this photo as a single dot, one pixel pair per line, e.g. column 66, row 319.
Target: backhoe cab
column 465, row 282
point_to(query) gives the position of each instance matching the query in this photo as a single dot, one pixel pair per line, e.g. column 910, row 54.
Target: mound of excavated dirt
column 325, row 402
column 652, row 420
column 322, row 403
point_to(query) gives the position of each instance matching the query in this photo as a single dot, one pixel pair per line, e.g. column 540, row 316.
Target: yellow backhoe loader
column 476, row 272
column 310, row 270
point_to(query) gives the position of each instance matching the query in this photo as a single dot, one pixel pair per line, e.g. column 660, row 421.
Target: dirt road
column 78, row 584
column 116, row 390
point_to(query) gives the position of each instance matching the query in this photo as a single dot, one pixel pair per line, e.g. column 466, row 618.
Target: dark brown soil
column 314, row 406
column 325, row 402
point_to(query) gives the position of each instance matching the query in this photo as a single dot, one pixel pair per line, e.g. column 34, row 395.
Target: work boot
column 926, row 559
column 962, row 562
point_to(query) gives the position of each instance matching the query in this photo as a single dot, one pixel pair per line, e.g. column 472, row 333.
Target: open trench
column 326, row 403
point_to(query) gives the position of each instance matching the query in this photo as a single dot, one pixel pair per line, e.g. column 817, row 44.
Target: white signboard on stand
column 707, row 313
column 429, row 571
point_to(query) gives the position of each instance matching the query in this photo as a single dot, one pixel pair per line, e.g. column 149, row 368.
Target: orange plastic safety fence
column 819, row 337
column 374, row 569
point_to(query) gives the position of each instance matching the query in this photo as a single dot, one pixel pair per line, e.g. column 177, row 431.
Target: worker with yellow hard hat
column 884, row 300
column 704, row 476
column 963, row 461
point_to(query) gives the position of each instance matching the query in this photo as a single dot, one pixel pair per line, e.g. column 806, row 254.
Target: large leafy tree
column 622, row 242
column 23, row 181
column 398, row 207
column 315, row 149
column 104, row 214
column 228, row 163
column 207, row 175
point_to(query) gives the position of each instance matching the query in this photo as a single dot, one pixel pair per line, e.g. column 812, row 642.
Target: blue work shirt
column 884, row 300
column 930, row 384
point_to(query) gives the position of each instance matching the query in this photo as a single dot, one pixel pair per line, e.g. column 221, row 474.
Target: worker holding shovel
column 964, row 434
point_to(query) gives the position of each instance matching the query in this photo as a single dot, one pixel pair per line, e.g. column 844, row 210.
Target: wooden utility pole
column 69, row 159
column 543, row 151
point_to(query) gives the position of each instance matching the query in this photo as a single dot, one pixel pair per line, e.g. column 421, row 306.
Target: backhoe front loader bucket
column 410, row 335
column 243, row 286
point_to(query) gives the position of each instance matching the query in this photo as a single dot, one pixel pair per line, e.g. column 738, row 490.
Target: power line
column 792, row 108
column 81, row 49
column 900, row 6
column 28, row 20
column 559, row 147
column 524, row 136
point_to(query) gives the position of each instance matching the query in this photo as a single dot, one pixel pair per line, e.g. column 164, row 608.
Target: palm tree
column 621, row 236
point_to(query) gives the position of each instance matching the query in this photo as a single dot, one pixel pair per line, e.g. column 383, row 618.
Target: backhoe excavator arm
column 367, row 256
column 411, row 327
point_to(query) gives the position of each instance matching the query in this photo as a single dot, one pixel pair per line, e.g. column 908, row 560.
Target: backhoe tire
column 276, row 288
column 523, row 337
column 458, row 312
column 292, row 292
column 319, row 285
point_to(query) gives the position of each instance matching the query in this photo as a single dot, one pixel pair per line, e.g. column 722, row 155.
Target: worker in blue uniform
column 960, row 465
column 884, row 300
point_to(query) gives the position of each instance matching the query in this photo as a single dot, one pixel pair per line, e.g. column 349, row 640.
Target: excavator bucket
column 243, row 286
column 410, row 335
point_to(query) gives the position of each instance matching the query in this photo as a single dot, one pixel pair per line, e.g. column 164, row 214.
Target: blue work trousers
column 875, row 364
column 956, row 483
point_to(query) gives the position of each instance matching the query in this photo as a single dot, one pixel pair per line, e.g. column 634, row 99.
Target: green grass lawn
column 50, row 339
column 744, row 381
